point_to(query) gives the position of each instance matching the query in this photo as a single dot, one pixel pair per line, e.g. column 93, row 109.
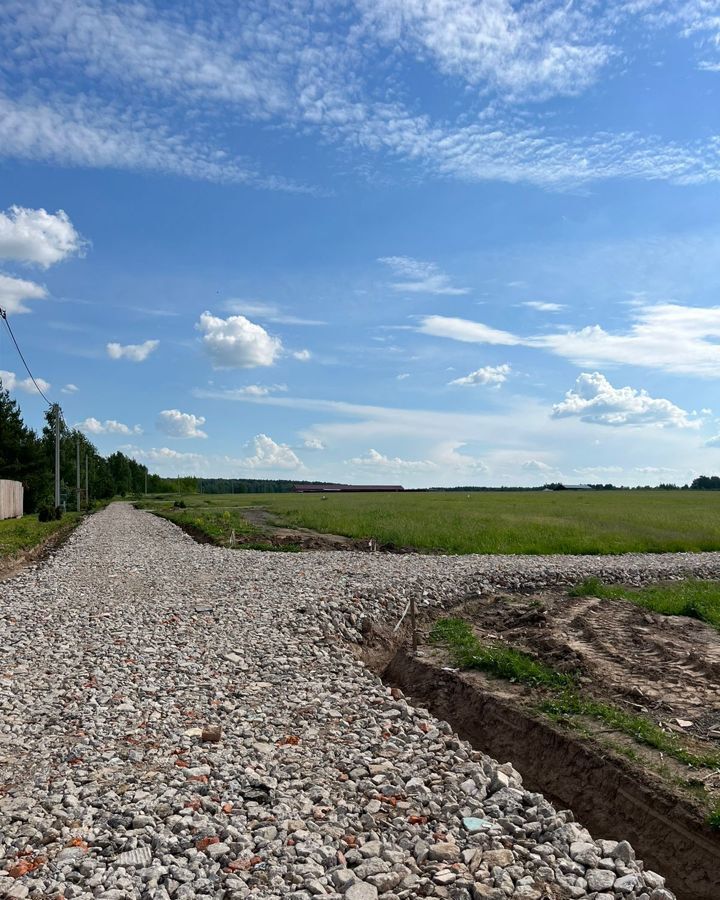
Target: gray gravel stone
column 123, row 648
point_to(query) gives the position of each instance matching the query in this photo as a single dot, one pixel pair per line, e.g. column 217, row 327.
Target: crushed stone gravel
column 179, row 721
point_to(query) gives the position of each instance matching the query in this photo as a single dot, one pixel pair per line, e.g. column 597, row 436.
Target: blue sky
column 419, row 241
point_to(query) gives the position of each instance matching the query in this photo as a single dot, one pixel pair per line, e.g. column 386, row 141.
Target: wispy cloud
column 319, row 70
column 419, row 277
column 667, row 336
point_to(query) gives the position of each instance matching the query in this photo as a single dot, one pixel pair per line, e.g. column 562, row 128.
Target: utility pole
column 87, row 481
column 57, row 455
column 146, row 482
column 77, row 466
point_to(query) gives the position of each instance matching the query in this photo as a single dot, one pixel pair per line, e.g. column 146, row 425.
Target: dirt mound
column 667, row 666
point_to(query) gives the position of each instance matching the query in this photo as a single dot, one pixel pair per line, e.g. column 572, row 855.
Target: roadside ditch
column 617, row 787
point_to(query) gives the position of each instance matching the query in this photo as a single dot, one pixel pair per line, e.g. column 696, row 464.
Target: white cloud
column 403, row 375
column 376, row 460
column 594, row 471
column 713, row 441
column 261, row 390
column 537, row 465
column 466, row 330
column 542, row 306
column 594, row 399
column 268, row 311
column 14, row 291
column 493, row 375
column 682, row 339
column 163, row 455
column 98, row 134
column 36, row 236
column 313, row 444
column 270, row 455
column 448, row 456
column 668, row 336
column 237, row 343
column 109, row 426
column 534, row 51
column 11, row 383
column 133, row 352
column 419, row 277
column 302, row 355
column 181, row 425
column 69, row 389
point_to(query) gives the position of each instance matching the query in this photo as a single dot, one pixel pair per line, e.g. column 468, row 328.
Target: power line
column 3, row 315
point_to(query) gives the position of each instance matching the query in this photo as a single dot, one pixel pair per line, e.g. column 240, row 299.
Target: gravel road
column 129, row 650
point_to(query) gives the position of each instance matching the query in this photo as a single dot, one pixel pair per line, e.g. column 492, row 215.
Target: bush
column 49, row 513
column 180, row 504
column 46, row 513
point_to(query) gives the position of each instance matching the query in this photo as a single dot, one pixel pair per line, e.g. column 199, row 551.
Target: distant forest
column 29, row 457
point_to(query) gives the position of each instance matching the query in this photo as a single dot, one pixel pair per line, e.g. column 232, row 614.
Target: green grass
column 19, row 535
column 468, row 653
column 565, row 702
column 508, row 522
column 690, row 597
column 215, row 523
column 714, row 819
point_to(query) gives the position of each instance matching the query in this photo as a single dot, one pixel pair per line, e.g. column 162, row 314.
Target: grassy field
column 695, row 598
column 17, row 535
column 512, row 522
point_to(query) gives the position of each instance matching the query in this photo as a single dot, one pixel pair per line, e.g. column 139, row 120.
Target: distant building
column 346, row 488
column 574, row 487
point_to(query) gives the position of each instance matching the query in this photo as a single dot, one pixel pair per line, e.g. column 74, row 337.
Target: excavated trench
column 605, row 793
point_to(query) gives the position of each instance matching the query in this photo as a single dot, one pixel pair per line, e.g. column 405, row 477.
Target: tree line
column 29, row 457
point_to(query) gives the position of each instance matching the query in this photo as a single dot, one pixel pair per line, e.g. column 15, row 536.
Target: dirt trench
column 609, row 795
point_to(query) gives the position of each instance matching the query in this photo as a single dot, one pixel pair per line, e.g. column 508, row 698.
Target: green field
column 507, row 522
column 18, row 535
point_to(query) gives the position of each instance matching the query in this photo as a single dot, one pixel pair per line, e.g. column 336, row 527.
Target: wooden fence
column 11, row 499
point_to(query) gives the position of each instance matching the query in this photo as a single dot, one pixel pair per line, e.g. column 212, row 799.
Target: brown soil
column 612, row 796
column 663, row 667
column 667, row 667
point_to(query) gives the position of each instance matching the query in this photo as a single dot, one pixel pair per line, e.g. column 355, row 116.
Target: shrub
column 46, row 512
column 180, row 504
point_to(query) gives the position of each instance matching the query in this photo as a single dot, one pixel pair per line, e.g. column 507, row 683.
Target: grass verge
column 692, row 597
column 504, row 662
column 20, row 535
column 565, row 702
column 217, row 525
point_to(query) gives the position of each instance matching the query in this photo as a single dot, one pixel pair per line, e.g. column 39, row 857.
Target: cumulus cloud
column 12, row 383
column 377, row 460
column 594, row 399
column 69, row 389
column 237, row 343
column 419, row 277
column 163, row 455
column 37, row 236
column 267, row 454
column 14, row 291
column 133, row 352
column 92, row 425
column 181, row 425
column 302, row 355
column 492, row 375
